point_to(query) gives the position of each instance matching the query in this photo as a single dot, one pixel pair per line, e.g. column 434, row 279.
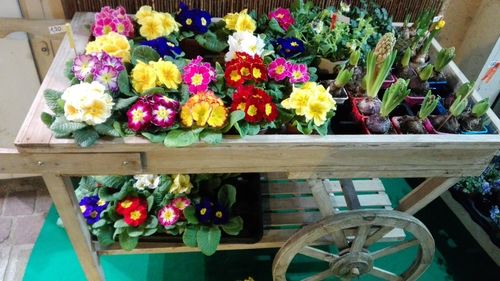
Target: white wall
column 18, row 77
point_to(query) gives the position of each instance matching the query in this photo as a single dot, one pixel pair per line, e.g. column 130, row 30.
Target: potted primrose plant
column 379, row 123
column 471, row 122
column 378, row 67
column 416, row 124
column 448, row 124
column 419, row 86
column 336, row 87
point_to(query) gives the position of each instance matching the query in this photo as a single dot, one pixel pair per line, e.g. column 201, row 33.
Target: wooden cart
column 442, row 159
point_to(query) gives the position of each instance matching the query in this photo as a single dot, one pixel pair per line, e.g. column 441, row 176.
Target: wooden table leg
column 425, row 193
column 62, row 192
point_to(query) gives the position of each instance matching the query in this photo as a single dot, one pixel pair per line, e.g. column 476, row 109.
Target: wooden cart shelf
column 288, row 206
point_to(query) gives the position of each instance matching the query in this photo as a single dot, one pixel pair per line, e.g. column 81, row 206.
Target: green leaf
column 211, row 42
column 86, row 137
column 151, row 222
column 112, row 194
column 144, row 54
column 150, row 231
column 181, row 138
column 235, row 116
column 274, row 26
column 124, row 83
column 184, row 91
column 234, row 226
column 125, row 103
column 306, row 130
column 253, row 129
column 227, row 195
column 211, row 137
column 126, row 242
column 190, row 215
column 189, row 237
column 111, row 181
column 135, row 232
column 154, row 90
column 242, row 128
column 62, row 127
column 323, row 129
column 150, row 200
column 99, row 223
column 105, row 236
column 53, row 98
column 120, row 223
column 106, row 130
column 154, row 138
column 47, row 119
column 208, row 239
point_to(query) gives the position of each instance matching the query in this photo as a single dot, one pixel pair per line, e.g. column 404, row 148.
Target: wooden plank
column 62, row 192
column 306, row 203
column 37, row 28
column 423, row 194
column 482, row 238
column 350, row 195
column 295, row 187
column 69, row 164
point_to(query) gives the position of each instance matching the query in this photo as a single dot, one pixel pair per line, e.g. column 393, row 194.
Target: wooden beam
column 62, row 192
column 37, row 28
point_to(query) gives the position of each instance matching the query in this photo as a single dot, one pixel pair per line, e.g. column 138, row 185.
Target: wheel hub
column 352, row 265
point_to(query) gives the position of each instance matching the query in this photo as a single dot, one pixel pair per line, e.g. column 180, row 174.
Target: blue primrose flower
column 221, row 214
column 92, row 207
column 204, row 211
column 194, row 20
column 163, row 47
column 289, row 47
column 495, row 214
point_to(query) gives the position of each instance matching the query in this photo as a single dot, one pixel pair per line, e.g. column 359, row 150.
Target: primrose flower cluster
column 113, row 20
column 101, row 66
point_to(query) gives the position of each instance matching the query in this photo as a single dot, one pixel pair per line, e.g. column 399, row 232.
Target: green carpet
column 458, row 256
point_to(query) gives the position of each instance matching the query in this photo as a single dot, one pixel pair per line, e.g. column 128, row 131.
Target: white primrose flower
column 87, row 102
column 244, row 42
column 146, row 181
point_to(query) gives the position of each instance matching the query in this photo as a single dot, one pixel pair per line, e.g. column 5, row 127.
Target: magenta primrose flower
column 279, row 69
column 83, row 65
column 109, row 19
column 168, row 215
column 107, row 76
column 298, row 73
column 181, row 203
column 283, row 17
column 198, row 74
column 163, row 116
column 139, row 116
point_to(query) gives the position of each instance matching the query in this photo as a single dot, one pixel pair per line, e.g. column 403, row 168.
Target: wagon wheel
column 356, row 260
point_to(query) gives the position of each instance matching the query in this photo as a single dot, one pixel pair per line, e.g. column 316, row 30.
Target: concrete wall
column 18, row 78
column 473, row 27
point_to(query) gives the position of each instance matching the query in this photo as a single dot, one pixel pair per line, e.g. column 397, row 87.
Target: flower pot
column 432, row 130
column 355, row 111
column 391, row 79
column 414, row 101
column 440, row 87
column 326, row 66
column 482, row 132
column 340, row 95
column 396, row 124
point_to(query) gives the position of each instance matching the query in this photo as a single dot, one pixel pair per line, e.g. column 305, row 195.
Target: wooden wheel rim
column 361, row 219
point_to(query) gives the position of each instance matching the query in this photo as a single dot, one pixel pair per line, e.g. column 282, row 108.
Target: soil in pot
column 418, row 87
column 406, row 73
column 411, row 125
column 469, row 122
column 452, row 126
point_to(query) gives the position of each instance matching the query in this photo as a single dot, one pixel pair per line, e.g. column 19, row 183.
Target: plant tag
column 437, row 18
column 336, row 17
column 55, row 29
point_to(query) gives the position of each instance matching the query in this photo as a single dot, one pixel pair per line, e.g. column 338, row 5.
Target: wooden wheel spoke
column 394, row 249
column 320, row 276
column 384, row 274
column 378, row 234
column 360, row 239
column 318, row 254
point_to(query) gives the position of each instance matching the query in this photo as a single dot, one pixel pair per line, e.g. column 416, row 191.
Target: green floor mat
column 458, row 256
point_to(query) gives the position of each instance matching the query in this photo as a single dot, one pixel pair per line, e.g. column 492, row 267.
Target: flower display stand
column 352, row 214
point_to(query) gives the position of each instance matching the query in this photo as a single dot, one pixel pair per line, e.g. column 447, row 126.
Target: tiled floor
column 24, row 203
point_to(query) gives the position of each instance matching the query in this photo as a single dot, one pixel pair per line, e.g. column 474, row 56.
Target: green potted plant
column 336, row 87
column 472, row 122
column 419, row 86
column 416, row 124
column 422, row 56
column 379, row 123
column 403, row 69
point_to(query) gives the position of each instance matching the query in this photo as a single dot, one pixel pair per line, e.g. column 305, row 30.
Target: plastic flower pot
column 440, row 87
column 414, row 101
column 482, row 132
column 340, row 96
column 396, row 124
column 389, row 81
column 355, row 111
column 431, row 130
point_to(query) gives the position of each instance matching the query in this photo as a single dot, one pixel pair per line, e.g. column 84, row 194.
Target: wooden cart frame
column 442, row 159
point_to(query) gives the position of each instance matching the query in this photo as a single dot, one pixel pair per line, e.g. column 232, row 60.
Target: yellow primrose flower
column 144, row 12
column 152, row 27
column 169, row 24
column 202, row 109
column 241, row 22
column 316, row 111
column 298, row 100
column 218, row 117
column 143, row 77
column 440, row 24
column 181, row 184
column 167, row 74
column 113, row 43
column 230, row 20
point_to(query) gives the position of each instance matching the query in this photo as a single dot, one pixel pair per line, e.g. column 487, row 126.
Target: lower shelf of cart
column 288, row 206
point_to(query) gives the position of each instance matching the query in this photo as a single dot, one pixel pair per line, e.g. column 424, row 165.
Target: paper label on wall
column 437, row 18
column 54, row 29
